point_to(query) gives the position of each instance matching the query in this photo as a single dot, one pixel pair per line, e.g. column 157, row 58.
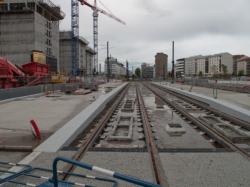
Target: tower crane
column 75, row 30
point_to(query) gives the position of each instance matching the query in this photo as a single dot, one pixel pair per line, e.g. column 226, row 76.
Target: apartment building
column 116, row 69
column 161, row 66
column 217, row 61
column 180, row 68
column 147, row 71
column 200, row 66
column 209, row 65
column 28, row 25
column 236, row 58
column 243, row 64
column 190, row 65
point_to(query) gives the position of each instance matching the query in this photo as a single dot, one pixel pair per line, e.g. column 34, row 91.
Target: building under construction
column 84, row 67
column 28, row 25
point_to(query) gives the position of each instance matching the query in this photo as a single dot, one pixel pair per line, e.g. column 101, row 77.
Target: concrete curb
column 12, row 93
column 224, row 106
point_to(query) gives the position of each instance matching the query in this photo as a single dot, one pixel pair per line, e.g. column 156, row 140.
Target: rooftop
column 90, row 50
column 244, row 58
column 44, row 7
column 66, row 35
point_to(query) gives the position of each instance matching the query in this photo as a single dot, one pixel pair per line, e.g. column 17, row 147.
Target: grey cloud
column 152, row 25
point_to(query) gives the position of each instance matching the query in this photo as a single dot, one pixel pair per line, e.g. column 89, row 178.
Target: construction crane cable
column 105, row 6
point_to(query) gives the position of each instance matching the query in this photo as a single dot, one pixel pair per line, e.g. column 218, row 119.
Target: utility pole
column 100, row 69
column 108, row 68
column 127, row 70
column 133, row 72
column 173, row 62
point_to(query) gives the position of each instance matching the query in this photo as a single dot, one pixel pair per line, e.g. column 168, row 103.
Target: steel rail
column 95, row 133
column 207, row 107
column 218, row 136
column 159, row 173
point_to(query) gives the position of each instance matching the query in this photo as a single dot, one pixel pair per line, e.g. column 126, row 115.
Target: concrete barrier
column 65, row 135
column 7, row 94
column 223, row 106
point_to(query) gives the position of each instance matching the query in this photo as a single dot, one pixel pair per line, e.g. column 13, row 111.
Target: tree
column 138, row 72
column 200, row 74
column 224, row 69
column 241, row 73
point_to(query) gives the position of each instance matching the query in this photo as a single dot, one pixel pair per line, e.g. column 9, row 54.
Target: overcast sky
column 197, row 26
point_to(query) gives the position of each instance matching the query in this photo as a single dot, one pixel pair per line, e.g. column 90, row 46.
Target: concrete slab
column 44, row 160
column 161, row 115
column 133, row 164
column 218, row 104
column 125, row 129
column 29, row 158
column 206, row 169
column 75, row 126
column 13, row 157
column 50, row 113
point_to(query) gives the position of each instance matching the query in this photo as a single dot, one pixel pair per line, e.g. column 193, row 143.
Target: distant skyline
column 197, row 26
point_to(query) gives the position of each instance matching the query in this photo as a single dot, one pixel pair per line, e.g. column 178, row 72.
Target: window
column 31, row 6
column 3, row 7
column 17, row 6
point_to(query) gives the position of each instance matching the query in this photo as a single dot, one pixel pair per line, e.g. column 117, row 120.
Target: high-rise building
column 29, row 25
column 161, row 66
column 147, row 71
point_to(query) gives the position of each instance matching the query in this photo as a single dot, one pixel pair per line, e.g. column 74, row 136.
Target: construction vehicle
column 59, row 78
column 29, row 74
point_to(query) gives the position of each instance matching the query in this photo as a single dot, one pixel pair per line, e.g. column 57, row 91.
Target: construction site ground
column 50, row 112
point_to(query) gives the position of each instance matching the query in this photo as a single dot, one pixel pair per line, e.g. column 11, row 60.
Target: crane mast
column 95, row 35
column 75, row 32
column 75, row 36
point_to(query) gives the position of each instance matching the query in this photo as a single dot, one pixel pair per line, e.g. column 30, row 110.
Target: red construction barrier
column 35, row 129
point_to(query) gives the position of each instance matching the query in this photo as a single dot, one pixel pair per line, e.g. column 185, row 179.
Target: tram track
column 93, row 134
column 205, row 106
column 215, row 134
column 152, row 148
